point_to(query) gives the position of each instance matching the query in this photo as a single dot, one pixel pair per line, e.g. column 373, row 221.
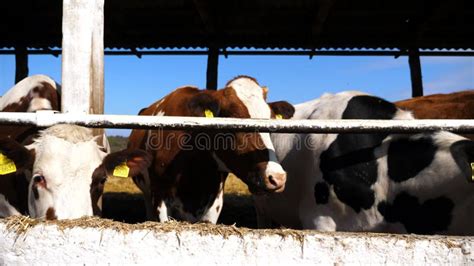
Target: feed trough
column 94, row 240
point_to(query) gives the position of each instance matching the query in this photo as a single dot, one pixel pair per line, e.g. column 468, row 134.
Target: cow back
column 457, row 105
column 38, row 92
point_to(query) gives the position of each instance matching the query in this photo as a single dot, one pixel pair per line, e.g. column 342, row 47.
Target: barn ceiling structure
column 246, row 27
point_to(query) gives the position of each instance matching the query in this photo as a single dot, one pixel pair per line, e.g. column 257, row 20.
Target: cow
column 57, row 172
column 456, row 105
column 37, row 92
column 187, row 175
column 33, row 93
column 381, row 182
column 67, row 170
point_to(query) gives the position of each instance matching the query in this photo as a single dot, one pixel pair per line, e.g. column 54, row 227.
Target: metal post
column 21, row 63
column 49, row 118
column 212, row 68
column 415, row 72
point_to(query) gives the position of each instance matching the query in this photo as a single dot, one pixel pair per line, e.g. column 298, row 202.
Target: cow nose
column 275, row 182
column 272, row 181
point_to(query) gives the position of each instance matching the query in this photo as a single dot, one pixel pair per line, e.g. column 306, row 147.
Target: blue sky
column 292, row 78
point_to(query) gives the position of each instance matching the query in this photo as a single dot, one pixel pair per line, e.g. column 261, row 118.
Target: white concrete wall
column 49, row 244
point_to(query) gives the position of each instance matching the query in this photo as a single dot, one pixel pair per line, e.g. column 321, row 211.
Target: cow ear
column 282, row 109
column 204, row 104
column 265, row 92
column 14, row 157
column 126, row 163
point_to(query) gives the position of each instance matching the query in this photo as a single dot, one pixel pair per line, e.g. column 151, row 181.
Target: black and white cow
column 401, row 183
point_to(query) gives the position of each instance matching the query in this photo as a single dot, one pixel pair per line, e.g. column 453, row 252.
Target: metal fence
column 49, row 118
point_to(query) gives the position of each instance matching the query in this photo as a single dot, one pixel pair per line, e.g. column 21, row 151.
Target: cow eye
column 102, row 181
column 38, row 179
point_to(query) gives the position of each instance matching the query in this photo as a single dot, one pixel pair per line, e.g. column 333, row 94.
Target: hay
column 120, row 184
column 21, row 224
column 235, row 186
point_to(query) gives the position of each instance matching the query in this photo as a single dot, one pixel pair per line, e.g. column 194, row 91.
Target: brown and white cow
column 38, row 92
column 57, row 172
column 457, row 105
column 186, row 179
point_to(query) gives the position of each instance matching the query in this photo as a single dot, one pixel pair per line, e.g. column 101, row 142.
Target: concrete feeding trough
column 94, row 240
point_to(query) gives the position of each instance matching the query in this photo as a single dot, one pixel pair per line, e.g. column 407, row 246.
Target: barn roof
column 287, row 24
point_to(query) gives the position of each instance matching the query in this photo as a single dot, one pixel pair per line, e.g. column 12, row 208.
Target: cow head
column 251, row 156
column 64, row 161
column 282, row 110
column 130, row 163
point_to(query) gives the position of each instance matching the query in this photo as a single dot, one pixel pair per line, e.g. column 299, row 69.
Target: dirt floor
column 123, row 202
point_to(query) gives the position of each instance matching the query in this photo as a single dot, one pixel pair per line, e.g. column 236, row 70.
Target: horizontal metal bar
column 263, row 52
column 48, row 118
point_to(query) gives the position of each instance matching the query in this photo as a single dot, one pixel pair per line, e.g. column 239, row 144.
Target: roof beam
column 204, row 10
column 427, row 11
column 323, row 9
column 262, row 52
column 416, row 24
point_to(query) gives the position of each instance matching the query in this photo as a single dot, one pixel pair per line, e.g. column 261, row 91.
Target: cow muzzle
column 275, row 182
column 271, row 179
column 274, row 177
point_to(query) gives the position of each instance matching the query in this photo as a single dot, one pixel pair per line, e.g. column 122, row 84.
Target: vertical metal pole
column 212, row 68
column 415, row 72
column 21, row 63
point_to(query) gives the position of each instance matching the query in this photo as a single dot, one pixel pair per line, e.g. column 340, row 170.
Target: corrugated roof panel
column 283, row 24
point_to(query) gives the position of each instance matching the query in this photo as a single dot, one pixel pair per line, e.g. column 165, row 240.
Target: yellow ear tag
column 278, row 116
column 121, row 170
column 208, row 113
column 472, row 172
column 7, row 166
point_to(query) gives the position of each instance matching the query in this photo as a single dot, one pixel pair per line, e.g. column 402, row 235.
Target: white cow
column 58, row 172
column 68, row 170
